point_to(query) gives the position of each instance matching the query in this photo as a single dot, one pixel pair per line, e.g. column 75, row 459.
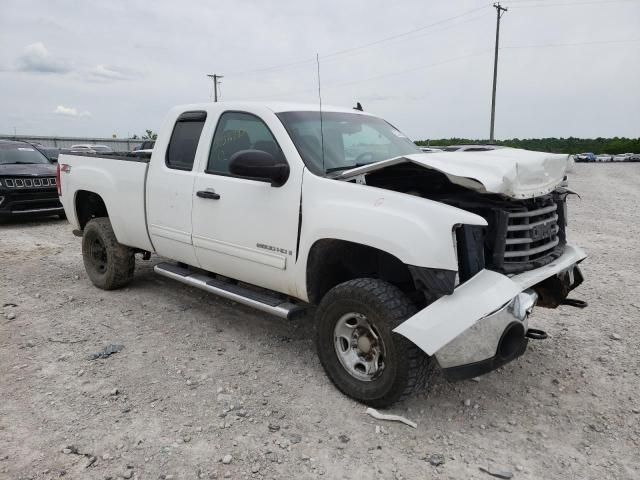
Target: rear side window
column 184, row 140
column 238, row 131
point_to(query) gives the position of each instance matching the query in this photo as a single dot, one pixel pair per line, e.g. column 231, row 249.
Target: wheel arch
column 333, row 261
column 89, row 205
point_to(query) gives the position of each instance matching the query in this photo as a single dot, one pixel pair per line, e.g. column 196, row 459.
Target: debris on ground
column 106, row 352
column 504, row 474
column 392, row 418
column 435, row 459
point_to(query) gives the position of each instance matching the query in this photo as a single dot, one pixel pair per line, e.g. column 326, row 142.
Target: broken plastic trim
column 433, row 281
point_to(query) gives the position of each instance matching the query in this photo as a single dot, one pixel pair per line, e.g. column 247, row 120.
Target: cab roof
column 276, row 107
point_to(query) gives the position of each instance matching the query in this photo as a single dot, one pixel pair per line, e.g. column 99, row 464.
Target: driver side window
column 238, row 131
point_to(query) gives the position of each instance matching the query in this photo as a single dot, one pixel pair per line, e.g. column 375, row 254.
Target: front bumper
column 30, row 202
column 491, row 342
column 465, row 331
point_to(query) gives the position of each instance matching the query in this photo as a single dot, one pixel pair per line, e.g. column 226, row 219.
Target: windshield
column 18, row 153
column 350, row 140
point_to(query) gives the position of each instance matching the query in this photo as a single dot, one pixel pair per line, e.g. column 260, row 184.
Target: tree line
column 553, row 145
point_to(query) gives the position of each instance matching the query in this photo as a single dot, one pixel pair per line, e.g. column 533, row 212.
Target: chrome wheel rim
column 359, row 347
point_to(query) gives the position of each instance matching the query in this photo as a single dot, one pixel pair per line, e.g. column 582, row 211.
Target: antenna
column 320, row 100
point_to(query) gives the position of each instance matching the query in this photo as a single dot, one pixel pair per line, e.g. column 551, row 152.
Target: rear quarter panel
column 120, row 184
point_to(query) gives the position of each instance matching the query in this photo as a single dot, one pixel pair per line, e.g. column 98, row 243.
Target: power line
column 564, row 4
column 411, row 70
column 376, row 77
column 357, row 48
column 550, row 45
column 393, row 37
column 433, row 64
column 422, row 35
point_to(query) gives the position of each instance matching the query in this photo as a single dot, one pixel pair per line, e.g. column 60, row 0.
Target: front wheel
column 357, row 347
column 109, row 264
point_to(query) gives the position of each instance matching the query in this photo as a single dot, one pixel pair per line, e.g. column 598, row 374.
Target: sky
column 89, row 68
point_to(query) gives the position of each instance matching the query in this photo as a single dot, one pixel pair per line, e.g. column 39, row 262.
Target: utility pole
column 216, row 81
column 499, row 12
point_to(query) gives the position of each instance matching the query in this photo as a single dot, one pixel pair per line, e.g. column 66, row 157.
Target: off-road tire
column 116, row 267
column 386, row 307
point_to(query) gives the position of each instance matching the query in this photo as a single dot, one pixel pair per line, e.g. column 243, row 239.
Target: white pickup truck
column 411, row 258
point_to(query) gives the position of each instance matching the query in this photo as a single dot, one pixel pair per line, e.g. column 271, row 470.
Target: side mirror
column 259, row 165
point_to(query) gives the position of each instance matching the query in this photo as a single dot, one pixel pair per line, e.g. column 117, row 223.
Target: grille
column 30, row 182
column 533, row 232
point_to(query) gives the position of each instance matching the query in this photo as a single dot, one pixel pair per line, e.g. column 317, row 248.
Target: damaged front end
column 520, row 259
column 483, row 324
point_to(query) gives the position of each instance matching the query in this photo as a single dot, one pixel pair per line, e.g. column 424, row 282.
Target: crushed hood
column 511, row 172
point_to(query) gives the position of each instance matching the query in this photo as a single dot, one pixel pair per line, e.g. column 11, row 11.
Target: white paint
column 511, row 172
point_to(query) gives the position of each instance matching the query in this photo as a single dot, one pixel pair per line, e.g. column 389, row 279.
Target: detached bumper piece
column 483, row 324
column 474, row 352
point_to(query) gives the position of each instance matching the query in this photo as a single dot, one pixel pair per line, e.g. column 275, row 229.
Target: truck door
column 244, row 228
column 170, row 188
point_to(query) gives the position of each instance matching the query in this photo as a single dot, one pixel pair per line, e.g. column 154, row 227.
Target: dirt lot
column 200, row 378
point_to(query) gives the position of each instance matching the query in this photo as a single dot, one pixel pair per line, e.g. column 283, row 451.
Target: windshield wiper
column 346, row 167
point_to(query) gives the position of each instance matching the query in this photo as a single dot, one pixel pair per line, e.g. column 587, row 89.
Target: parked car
column 90, row 148
column 410, row 257
column 430, row 149
column 586, row 157
column 470, row 148
column 27, row 181
column 635, row 157
column 622, row 157
column 604, row 157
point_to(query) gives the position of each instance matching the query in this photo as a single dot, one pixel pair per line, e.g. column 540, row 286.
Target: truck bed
column 120, row 181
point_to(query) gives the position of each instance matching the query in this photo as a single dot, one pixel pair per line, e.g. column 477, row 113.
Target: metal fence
column 117, row 144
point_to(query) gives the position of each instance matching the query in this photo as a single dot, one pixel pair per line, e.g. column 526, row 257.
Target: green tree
column 149, row 135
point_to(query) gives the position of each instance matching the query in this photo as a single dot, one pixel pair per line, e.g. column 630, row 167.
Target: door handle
column 208, row 194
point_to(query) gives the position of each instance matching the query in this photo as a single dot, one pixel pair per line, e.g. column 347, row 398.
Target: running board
column 264, row 301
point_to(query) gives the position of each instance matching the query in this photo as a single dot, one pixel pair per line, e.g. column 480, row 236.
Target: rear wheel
column 357, row 347
column 109, row 264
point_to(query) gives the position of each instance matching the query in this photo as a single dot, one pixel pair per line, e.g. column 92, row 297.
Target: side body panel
column 417, row 231
column 250, row 232
column 170, row 197
column 120, row 183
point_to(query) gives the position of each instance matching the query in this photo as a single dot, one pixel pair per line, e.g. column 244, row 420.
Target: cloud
column 70, row 112
column 35, row 58
column 109, row 73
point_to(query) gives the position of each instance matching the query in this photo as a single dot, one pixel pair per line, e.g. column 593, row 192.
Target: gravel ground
column 204, row 388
